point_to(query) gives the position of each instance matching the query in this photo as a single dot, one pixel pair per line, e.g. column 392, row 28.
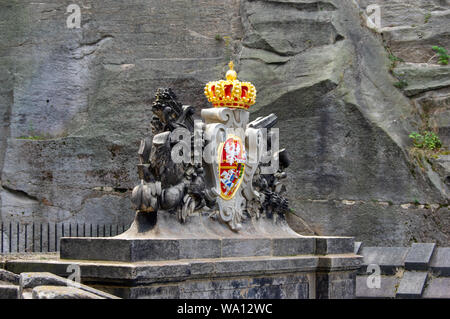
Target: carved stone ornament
column 225, row 170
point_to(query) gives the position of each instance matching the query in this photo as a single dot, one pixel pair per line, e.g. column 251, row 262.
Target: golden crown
column 231, row 92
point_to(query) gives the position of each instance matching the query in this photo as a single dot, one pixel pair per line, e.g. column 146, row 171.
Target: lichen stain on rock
column 115, row 150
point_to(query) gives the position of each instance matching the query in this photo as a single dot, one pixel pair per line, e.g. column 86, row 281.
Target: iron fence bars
column 16, row 237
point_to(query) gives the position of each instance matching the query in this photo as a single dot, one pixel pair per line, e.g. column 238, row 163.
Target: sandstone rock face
column 74, row 104
column 423, row 77
column 410, row 28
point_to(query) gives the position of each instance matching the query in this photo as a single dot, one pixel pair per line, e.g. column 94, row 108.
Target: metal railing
column 27, row 238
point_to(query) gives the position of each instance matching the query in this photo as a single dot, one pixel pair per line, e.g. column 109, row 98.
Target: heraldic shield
column 229, row 170
column 232, row 158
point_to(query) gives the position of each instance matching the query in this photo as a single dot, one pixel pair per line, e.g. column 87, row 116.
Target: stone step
column 412, row 284
column 131, row 250
column 8, row 291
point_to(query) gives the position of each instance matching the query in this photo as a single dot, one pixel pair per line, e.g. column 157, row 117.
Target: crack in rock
column 87, row 49
column 20, row 194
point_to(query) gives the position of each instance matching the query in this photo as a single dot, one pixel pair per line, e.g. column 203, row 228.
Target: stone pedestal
column 266, row 259
column 292, row 277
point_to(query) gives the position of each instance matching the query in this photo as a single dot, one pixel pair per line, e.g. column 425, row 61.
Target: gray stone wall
column 74, row 104
column 290, row 286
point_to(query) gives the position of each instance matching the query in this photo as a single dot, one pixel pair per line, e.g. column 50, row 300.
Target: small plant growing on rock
column 401, row 84
column 427, row 140
column 442, row 55
column 394, row 60
column 32, row 138
column 32, row 135
column 427, row 17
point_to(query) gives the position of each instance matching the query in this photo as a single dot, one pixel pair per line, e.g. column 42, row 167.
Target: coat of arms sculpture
column 222, row 165
column 211, row 193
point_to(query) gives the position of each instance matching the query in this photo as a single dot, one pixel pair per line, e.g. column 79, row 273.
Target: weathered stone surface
column 377, row 223
column 398, row 12
column 199, row 248
column 233, row 279
column 387, row 289
column 336, row 285
column 249, row 277
column 334, row 245
column 339, row 262
column 235, row 267
column 400, row 265
column 9, row 291
column 69, row 173
column 440, row 263
column 442, row 166
column 155, row 271
column 412, row 284
column 246, row 247
column 434, row 107
column 55, row 292
column 32, row 280
column 131, row 249
column 151, row 292
column 292, row 246
column 438, row 176
column 270, row 287
column 60, row 269
column 9, row 277
column 388, row 258
column 419, row 256
column 326, row 186
column 409, row 31
column 80, row 97
column 422, row 77
column 411, row 28
column 286, row 286
column 120, row 250
column 437, row 288
column 358, row 247
column 82, row 101
column 299, row 225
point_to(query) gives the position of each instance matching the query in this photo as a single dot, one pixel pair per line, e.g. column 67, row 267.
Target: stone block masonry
column 419, row 271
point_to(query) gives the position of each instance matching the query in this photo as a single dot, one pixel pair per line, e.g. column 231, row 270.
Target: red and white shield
column 232, row 159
